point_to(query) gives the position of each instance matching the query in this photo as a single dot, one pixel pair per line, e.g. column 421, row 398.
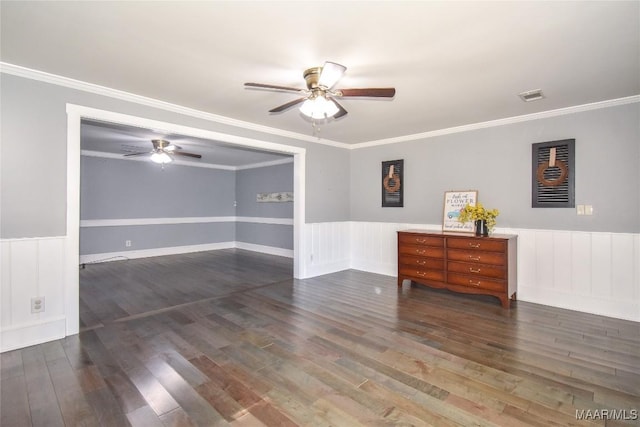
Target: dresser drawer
column 490, row 245
column 417, row 239
column 422, row 251
column 476, row 282
column 482, row 270
column 420, row 262
column 422, row 273
column 476, row 256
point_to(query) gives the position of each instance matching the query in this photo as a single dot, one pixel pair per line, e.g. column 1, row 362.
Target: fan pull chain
column 316, row 128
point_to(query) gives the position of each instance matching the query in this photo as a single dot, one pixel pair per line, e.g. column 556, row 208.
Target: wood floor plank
column 72, row 400
column 11, row 364
column 14, row 402
column 197, row 408
column 43, row 404
column 230, row 338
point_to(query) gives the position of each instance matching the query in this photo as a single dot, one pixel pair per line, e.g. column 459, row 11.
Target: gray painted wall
column 33, row 157
column 124, row 189
column 272, row 179
column 250, row 182
column 274, row 235
column 114, row 189
column 101, row 240
column 497, row 162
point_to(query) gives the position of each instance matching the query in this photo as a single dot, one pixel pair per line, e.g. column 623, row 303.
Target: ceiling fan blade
column 183, row 153
column 276, row 87
column 331, row 73
column 381, row 92
column 137, row 154
column 287, row 105
column 341, row 112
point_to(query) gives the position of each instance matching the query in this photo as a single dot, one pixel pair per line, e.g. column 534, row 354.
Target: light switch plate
column 580, row 209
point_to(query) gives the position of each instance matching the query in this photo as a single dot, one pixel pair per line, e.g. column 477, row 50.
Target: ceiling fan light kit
column 319, row 108
column 161, row 158
column 319, row 97
column 163, row 151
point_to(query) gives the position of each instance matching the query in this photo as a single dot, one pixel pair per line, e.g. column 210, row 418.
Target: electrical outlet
column 127, row 243
column 37, row 304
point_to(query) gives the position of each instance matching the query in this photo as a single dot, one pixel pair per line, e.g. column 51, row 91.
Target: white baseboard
column 176, row 250
column 265, row 249
column 314, row 270
column 620, row 309
column 20, row 336
column 384, row 268
column 146, row 253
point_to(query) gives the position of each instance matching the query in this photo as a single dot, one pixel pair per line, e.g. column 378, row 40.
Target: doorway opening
column 76, row 114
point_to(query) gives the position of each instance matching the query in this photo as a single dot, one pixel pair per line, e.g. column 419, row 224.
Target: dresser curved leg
column 506, row 302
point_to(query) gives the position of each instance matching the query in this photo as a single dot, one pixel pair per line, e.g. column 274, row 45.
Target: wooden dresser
column 460, row 262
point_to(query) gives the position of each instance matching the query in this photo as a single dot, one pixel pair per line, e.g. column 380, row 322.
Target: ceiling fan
column 319, row 100
column 163, row 151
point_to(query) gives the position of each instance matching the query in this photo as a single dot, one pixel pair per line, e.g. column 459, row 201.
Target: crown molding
column 116, row 156
column 501, row 122
column 265, row 164
column 28, row 73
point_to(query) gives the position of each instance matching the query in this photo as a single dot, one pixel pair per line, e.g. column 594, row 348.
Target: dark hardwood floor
column 229, row 338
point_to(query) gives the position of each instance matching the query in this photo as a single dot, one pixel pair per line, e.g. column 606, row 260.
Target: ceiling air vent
column 531, row 95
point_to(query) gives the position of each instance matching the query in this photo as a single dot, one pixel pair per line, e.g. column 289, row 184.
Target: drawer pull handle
column 472, row 283
column 473, row 270
column 421, row 261
column 474, row 245
column 419, row 273
column 421, row 240
column 474, row 258
column 420, row 251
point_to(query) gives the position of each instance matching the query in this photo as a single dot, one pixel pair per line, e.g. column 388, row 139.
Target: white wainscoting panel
column 592, row 272
column 327, row 248
column 32, row 267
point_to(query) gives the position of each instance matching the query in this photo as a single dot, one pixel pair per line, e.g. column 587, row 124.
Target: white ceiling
column 453, row 63
column 118, row 140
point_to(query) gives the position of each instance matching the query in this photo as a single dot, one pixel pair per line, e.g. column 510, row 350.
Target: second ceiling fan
column 319, row 100
column 163, row 151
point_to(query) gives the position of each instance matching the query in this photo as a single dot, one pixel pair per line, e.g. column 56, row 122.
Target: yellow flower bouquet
column 479, row 212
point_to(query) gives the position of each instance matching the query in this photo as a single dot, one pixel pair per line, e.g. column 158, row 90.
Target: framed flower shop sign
column 454, row 201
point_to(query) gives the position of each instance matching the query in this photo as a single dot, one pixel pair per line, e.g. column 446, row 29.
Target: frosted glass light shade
column 331, row 73
column 319, row 108
column 161, row 158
